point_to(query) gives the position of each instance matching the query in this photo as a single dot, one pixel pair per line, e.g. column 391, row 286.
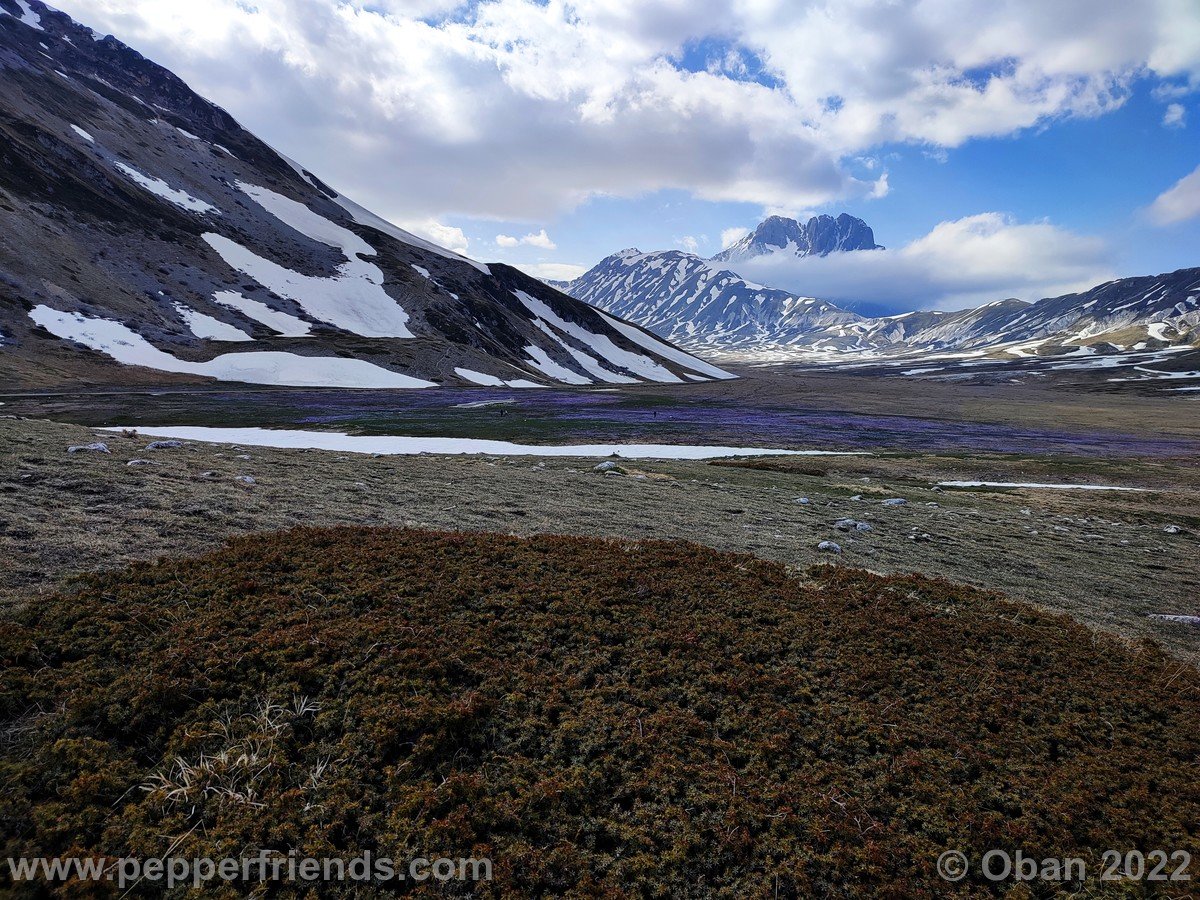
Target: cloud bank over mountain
column 623, row 97
column 958, row 264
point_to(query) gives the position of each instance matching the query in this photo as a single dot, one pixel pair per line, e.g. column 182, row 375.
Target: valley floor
column 1103, row 557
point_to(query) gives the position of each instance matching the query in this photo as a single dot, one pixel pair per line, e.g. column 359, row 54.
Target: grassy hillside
column 599, row 718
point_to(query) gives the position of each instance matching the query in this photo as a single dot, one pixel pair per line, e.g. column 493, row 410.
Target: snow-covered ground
column 396, row 445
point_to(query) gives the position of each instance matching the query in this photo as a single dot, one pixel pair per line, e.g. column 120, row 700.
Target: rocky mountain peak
column 819, row 236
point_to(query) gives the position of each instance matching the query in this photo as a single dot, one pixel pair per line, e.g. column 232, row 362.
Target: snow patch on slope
column 160, row 188
column 28, row 16
column 666, row 350
column 540, row 360
column 601, row 344
column 485, row 380
column 256, row 367
column 203, row 326
column 363, row 216
column 279, row 322
column 353, row 299
column 83, row 134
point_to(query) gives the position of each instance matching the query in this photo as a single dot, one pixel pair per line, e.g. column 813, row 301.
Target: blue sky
column 1017, row 149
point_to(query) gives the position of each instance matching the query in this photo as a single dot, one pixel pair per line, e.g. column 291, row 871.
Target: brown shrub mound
column 599, row 718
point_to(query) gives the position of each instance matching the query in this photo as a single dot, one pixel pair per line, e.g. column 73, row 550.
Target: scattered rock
column 895, row 501
column 1175, row 529
column 247, row 456
column 139, row 462
column 829, row 547
column 164, row 445
column 920, row 537
column 804, row 501
column 852, row 525
column 608, row 467
column 97, row 447
column 247, row 480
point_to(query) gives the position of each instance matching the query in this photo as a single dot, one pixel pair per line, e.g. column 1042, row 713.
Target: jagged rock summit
column 819, row 236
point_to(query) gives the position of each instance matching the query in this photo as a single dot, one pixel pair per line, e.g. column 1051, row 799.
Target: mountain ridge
column 709, row 307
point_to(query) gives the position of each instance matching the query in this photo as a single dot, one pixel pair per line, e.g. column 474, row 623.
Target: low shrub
column 601, row 719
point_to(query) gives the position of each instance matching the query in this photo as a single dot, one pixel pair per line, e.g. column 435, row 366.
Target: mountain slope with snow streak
column 693, row 302
column 145, row 235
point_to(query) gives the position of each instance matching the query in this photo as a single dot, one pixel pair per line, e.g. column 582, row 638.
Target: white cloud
column 533, row 239
column 1179, row 202
column 958, row 264
column 730, row 236
column 689, row 243
column 447, row 236
column 553, row 271
column 416, row 114
column 1169, row 91
column 1175, row 116
column 541, row 239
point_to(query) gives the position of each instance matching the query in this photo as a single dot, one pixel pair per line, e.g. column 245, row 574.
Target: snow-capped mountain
column 692, row 301
column 1127, row 313
column 819, row 236
column 145, row 236
column 709, row 308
